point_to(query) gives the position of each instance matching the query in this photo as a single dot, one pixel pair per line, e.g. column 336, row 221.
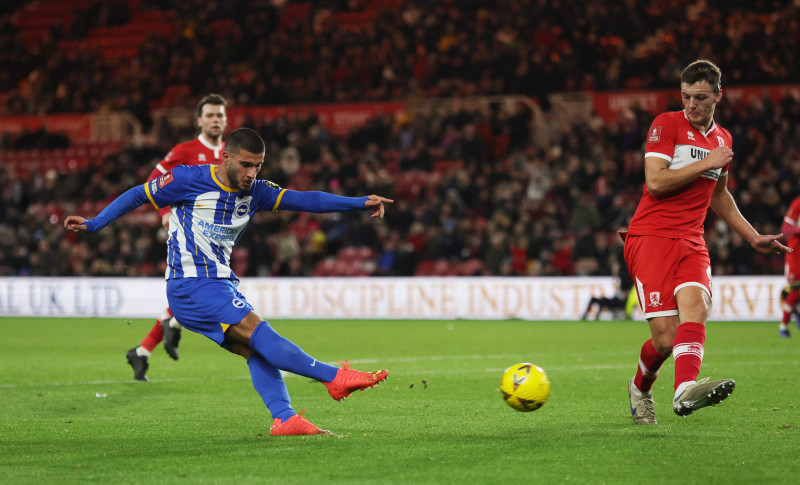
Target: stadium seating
column 77, row 157
column 513, row 185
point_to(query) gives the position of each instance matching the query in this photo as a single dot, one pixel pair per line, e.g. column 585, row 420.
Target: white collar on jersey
column 209, row 145
column 710, row 128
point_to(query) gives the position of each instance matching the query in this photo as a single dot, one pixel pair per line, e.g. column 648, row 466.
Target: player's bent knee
column 663, row 331
column 240, row 349
column 663, row 341
column 242, row 331
column 664, row 345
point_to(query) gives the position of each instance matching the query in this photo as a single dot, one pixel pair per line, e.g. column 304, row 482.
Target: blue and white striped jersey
column 207, row 218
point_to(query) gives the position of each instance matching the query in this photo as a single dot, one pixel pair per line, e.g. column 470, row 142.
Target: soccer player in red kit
column 791, row 228
column 205, row 149
column 686, row 171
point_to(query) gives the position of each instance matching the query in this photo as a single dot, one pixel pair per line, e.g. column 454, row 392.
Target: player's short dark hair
column 244, row 139
column 212, row 98
column 703, row 70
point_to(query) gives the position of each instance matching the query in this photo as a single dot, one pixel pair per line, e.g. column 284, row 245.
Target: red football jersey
column 196, row 152
column 682, row 212
column 792, row 218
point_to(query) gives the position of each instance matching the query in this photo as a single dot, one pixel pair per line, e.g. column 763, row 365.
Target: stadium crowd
column 360, row 50
column 474, row 194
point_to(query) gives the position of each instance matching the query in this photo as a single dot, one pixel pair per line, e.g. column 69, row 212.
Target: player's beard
column 235, row 181
column 701, row 117
column 233, row 178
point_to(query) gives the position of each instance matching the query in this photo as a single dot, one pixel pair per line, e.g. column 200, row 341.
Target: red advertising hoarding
column 609, row 105
column 77, row 126
column 338, row 119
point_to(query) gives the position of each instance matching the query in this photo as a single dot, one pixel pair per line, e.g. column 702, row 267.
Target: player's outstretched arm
column 375, row 204
column 75, row 224
column 123, row 204
column 723, row 205
column 318, row 202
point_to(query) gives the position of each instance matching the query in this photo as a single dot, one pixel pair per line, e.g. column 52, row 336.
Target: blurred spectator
column 507, row 211
column 407, row 49
column 516, row 206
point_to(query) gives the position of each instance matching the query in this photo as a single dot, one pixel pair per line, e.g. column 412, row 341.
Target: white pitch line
column 130, row 381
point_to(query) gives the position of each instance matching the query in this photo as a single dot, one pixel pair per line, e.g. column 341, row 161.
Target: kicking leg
column 284, row 354
column 268, row 382
column 688, row 351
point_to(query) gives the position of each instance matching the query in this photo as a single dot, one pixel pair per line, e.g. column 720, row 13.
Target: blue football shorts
column 207, row 306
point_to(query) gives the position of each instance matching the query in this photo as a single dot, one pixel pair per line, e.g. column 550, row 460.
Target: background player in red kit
column 686, row 171
column 791, row 228
column 205, row 149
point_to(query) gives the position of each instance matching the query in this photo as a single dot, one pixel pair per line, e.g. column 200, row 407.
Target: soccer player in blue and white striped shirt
column 211, row 205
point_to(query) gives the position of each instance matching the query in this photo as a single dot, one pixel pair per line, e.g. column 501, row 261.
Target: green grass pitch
column 71, row 413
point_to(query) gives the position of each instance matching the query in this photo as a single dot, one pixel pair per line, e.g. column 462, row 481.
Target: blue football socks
column 283, row 354
column 270, row 386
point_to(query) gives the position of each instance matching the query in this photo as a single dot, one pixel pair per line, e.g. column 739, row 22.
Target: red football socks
column 153, row 338
column 788, row 305
column 650, row 362
column 688, row 351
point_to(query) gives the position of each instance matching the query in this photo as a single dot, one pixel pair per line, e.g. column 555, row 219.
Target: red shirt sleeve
column 661, row 137
column 179, row 155
column 176, row 156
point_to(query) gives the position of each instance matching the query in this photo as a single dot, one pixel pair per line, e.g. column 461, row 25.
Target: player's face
column 241, row 168
column 699, row 100
column 212, row 121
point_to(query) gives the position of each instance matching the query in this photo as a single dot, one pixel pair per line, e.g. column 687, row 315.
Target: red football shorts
column 661, row 266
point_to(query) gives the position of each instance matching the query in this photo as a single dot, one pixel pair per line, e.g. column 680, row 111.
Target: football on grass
column 525, row 387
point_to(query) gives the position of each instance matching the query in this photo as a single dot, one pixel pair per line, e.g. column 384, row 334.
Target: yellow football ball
column 525, row 387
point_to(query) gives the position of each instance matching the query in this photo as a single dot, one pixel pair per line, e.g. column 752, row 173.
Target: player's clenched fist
column 719, row 157
column 75, row 224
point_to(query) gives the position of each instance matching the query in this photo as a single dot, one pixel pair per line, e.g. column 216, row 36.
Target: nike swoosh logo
column 313, row 364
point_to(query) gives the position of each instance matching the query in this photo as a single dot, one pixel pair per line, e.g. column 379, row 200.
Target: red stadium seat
column 424, row 268
column 365, row 253
column 349, row 253
column 500, row 145
column 324, row 267
column 470, row 267
column 442, row 267
column 447, row 165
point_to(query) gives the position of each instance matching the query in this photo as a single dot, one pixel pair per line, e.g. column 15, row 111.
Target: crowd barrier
column 754, row 298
